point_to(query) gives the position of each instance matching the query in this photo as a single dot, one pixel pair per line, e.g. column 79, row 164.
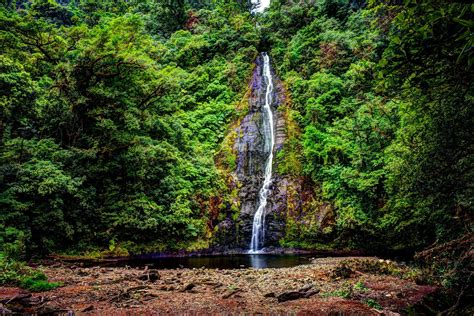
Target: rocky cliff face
column 288, row 196
column 252, row 151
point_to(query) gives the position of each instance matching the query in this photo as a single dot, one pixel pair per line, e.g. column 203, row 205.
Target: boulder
column 150, row 276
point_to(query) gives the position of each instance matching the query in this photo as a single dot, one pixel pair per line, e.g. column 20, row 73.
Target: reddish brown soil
column 119, row 291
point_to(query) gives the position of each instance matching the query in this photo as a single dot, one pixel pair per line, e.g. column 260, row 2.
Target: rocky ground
column 327, row 286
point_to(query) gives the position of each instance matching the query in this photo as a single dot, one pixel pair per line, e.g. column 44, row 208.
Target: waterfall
column 260, row 5
column 258, row 227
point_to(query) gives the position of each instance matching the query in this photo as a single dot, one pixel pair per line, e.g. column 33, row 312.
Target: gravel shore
column 327, row 286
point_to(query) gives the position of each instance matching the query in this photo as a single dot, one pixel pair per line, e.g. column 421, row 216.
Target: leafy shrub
column 15, row 273
column 38, row 283
column 387, row 267
column 344, row 293
column 360, row 286
column 372, row 303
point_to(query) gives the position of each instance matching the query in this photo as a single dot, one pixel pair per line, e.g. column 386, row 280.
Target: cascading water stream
column 258, row 227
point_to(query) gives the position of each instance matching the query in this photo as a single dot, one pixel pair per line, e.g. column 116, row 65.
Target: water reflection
column 257, row 261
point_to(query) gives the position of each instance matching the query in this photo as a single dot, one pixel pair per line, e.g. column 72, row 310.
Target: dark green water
column 259, row 261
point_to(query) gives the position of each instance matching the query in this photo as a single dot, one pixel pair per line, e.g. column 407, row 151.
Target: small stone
column 88, row 309
column 83, row 272
column 188, row 287
column 150, row 276
column 289, row 296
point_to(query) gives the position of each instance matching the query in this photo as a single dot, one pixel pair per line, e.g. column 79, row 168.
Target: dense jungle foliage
column 382, row 94
column 113, row 114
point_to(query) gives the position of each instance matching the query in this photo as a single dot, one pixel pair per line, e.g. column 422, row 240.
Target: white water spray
column 260, row 5
column 258, row 228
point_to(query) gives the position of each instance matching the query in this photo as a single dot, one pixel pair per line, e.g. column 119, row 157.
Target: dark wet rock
column 305, row 292
column 289, row 296
column 252, row 152
column 188, row 287
column 88, row 309
column 150, row 276
column 251, row 155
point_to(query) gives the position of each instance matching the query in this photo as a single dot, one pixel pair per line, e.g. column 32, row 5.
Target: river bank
column 354, row 285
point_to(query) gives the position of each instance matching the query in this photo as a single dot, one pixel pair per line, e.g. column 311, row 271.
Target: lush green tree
column 108, row 129
column 428, row 68
column 383, row 97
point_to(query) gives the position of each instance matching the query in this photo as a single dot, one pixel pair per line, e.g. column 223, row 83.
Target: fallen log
column 15, row 298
